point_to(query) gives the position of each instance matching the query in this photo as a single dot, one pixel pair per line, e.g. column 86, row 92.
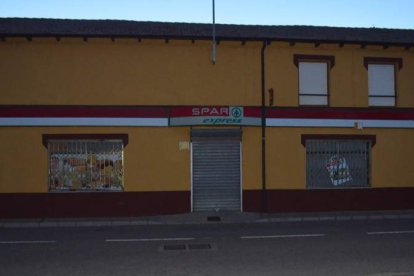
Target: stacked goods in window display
column 87, row 166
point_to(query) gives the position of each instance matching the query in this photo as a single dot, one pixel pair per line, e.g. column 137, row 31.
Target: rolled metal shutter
column 216, row 170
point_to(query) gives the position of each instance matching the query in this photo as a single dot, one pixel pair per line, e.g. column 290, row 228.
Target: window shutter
column 313, row 83
column 381, row 84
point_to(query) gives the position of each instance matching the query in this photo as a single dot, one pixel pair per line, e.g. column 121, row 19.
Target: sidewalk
column 207, row 218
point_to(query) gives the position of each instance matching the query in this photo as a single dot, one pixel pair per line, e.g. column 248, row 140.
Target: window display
column 85, row 165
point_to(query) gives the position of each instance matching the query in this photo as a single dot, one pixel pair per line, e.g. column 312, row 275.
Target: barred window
column 85, row 165
column 335, row 163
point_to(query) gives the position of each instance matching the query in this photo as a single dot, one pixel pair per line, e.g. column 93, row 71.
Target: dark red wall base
column 65, row 205
column 131, row 204
column 329, row 200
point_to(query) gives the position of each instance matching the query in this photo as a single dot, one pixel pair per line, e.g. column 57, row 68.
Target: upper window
column 382, row 80
column 85, row 164
column 314, row 78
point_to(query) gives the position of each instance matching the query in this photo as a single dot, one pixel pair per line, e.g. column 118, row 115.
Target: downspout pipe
column 263, row 115
column 214, row 34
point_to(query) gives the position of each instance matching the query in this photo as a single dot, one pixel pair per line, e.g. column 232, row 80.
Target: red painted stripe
column 163, row 112
column 328, row 113
column 252, row 112
column 88, row 112
column 182, row 111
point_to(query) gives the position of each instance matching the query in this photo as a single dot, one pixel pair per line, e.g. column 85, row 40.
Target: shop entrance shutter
column 216, row 170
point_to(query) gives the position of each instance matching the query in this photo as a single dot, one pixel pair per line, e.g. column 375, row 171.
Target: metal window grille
column 85, row 165
column 340, row 164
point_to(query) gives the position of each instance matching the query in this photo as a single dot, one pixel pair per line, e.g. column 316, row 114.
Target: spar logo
column 231, row 115
column 236, row 112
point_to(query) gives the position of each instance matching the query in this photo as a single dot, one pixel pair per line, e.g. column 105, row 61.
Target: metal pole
column 214, row 35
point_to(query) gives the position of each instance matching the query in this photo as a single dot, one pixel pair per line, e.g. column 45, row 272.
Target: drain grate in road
column 200, row 246
column 213, row 218
column 174, row 247
column 187, row 247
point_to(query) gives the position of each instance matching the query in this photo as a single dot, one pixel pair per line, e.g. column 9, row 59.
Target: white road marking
column 283, row 236
column 25, row 242
column 393, row 274
column 149, row 240
column 391, row 232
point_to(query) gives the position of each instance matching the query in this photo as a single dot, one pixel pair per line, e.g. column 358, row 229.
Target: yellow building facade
column 98, row 121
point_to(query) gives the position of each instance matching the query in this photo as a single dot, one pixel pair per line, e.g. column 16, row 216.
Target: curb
column 200, row 219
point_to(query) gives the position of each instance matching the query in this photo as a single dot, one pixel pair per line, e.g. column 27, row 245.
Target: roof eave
column 220, row 38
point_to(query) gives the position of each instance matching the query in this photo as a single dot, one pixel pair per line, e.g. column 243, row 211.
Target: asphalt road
column 370, row 247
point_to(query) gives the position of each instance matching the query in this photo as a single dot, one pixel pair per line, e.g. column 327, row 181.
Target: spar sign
column 214, row 116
